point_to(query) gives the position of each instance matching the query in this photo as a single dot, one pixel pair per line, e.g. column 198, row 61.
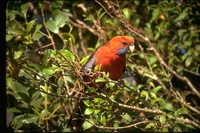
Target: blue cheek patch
column 89, row 65
column 122, row 51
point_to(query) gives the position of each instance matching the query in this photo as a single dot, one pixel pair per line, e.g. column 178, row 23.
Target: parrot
column 111, row 58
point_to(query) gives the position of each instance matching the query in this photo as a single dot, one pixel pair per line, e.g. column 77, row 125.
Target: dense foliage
column 47, row 44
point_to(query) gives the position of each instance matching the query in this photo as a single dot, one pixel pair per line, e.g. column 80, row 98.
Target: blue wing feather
column 90, row 64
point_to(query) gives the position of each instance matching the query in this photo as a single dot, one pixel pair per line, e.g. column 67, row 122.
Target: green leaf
column 69, row 37
column 61, row 19
column 9, row 83
column 67, row 54
column 148, row 25
column 13, row 14
column 30, row 26
column 162, row 119
column 190, row 126
column 44, row 113
column 182, row 15
column 86, row 102
column 13, row 110
column 127, row 117
column 37, row 36
column 9, row 37
column 47, row 72
column 37, row 99
column 188, row 43
column 100, row 79
column 17, row 54
column 171, row 116
column 145, row 94
column 51, row 25
column 38, row 27
column 25, row 119
column 180, row 111
column 111, row 85
column 96, row 111
column 153, row 95
column 165, row 129
column 153, row 59
column 188, row 61
column 91, row 90
column 156, row 89
column 17, row 32
column 155, row 14
column 101, row 15
column 110, row 22
column 87, row 125
column 169, row 106
column 84, row 60
column 103, row 119
column 24, row 9
column 60, row 82
column 126, row 13
column 137, row 2
column 150, row 125
column 19, row 91
column 89, row 111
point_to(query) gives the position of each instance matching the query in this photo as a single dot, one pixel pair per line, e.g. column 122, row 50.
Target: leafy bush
column 47, row 44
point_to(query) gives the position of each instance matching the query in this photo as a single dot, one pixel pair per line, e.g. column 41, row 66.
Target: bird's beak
column 132, row 47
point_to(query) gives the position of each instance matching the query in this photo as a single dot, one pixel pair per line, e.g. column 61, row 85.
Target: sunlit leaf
column 9, row 37
column 126, row 13
column 89, row 111
column 87, row 125
column 153, row 95
column 153, row 59
column 61, row 19
column 162, row 119
column 127, row 117
column 38, row 27
column 30, row 26
column 169, row 106
column 67, row 54
column 100, row 79
column 24, row 9
column 17, row 54
column 51, row 25
column 150, row 125
column 188, row 61
column 86, row 102
column 145, row 94
column 103, row 119
column 37, row 36
column 17, row 32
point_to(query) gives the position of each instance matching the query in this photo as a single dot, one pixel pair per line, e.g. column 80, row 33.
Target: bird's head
column 123, row 45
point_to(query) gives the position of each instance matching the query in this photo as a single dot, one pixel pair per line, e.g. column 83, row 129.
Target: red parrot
column 111, row 58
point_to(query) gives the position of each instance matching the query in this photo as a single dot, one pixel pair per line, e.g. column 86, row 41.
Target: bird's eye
column 124, row 43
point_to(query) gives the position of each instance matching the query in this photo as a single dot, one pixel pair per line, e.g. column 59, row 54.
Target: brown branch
column 44, row 23
column 81, row 24
column 186, row 120
column 155, row 111
column 118, row 128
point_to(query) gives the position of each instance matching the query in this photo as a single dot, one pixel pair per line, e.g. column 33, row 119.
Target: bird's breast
column 114, row 65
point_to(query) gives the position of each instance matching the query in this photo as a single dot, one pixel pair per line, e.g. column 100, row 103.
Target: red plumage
column 111, row 56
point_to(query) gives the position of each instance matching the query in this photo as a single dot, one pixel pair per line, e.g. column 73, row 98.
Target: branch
column 155, row 111
column 118, row 128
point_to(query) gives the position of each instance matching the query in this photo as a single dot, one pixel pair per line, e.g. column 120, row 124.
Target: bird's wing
column 91, row 61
